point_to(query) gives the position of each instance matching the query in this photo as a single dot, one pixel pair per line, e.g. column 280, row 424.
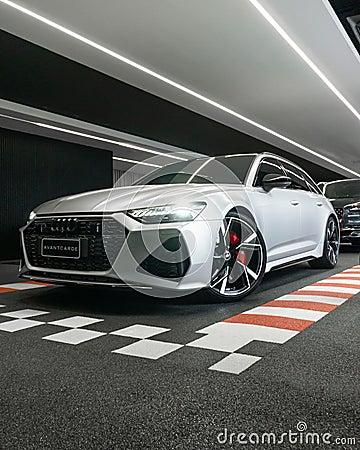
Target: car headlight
column 167, row 213
column 32, row 216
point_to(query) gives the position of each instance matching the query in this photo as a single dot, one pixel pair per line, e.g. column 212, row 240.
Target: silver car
column 211, row 223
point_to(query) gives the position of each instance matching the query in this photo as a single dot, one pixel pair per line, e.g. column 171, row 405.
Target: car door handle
column 319, row 203
column 294, row 202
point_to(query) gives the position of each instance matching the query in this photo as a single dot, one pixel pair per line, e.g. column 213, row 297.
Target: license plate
column 60, row 248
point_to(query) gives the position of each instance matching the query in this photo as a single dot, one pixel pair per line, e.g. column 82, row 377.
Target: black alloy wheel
column 239, row 259
column 330, row 255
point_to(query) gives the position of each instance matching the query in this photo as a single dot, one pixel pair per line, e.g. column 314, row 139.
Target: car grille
column 101, row 240
column 351, row 217
column 339, row 213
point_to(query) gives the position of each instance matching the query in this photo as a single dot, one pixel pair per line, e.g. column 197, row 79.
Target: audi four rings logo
column 62, row 225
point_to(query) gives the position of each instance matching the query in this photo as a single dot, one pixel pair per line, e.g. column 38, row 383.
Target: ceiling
column 226, row 52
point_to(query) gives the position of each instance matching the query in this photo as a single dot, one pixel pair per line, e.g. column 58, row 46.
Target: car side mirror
column 272, row 180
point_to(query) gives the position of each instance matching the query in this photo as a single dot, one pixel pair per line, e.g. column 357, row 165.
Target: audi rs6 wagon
column 215, row 223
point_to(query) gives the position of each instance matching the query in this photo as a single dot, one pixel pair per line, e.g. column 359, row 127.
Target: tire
column 239, row 258
column 330, row 255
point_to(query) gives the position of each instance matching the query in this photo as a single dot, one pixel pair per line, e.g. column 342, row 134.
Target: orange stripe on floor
column 3, row 290
column 39, row 283
column 286, row 323
column 323, row 293
column 337, row 277
column 324, row 283
column 298, row 304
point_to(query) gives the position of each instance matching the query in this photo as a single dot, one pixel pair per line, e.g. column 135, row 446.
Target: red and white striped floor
column 278, row 320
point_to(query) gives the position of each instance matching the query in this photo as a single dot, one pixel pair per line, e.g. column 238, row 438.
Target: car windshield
column 344, row 189
column 224, row 169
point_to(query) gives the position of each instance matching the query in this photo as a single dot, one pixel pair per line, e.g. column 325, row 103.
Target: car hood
column 341, row 202
column 123, row 198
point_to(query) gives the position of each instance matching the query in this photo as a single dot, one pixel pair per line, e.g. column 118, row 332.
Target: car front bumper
column 173, row 256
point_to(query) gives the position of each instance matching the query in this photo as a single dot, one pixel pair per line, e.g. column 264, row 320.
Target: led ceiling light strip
column 303, row 56
column 178, row 86
column 98, row 138
column 131, row 161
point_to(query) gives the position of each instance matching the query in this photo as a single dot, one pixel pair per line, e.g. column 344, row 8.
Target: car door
column 278, row 213
column 311, row 206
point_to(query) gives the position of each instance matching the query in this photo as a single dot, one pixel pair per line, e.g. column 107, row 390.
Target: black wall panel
column 62, row 86
column 34, row 169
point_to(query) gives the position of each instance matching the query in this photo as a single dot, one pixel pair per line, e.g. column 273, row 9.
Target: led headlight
column 167, row 213
column 32, row 216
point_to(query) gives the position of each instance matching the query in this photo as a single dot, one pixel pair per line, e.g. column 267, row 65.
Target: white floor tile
column 251, row 332
column 293, row 313
column 341, row 290
column 24, row 313
column 19, row 324
column 149, row 349
column 235, row 363
column 22, row 286
column 74, row 336
column 314, row 298
column 220, row 342
column 140, row 331
column 341, row 281
column 75, row 322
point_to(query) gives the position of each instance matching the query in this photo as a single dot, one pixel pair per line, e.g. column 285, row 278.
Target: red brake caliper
column 241, row 255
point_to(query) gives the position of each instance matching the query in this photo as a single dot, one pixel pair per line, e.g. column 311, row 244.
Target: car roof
column 342, row 181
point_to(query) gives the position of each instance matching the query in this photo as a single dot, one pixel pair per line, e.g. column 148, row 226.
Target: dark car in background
column 345, row 198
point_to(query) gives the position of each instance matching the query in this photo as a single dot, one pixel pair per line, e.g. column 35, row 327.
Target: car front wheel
column 239, row 258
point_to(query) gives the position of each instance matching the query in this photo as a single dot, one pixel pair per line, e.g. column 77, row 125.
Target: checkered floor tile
column 74, row 336
column 75, row 322
column 24, row 313
column 235, row 363
column 140, row 331
column 148, row 349
column 18, row 325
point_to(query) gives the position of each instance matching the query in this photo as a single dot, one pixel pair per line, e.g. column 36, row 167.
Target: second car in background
column 345, row 198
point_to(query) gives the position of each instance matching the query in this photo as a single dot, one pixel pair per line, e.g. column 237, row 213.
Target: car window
column 266, row 167
column 230, row 169
column 343, row 189
column 311, row 183
column 297, row 178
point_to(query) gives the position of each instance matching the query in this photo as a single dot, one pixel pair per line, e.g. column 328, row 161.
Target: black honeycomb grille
column 93, row 234
column 339, row 213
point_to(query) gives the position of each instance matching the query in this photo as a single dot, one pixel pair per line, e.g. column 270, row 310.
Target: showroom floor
column 116, row 370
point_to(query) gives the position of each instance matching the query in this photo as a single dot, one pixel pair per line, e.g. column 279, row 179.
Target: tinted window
column 266, row 167
column 343, row 189
column 297, row 178
column 232, row 169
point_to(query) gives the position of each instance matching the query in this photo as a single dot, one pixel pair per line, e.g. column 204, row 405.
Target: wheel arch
column 242, row 210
